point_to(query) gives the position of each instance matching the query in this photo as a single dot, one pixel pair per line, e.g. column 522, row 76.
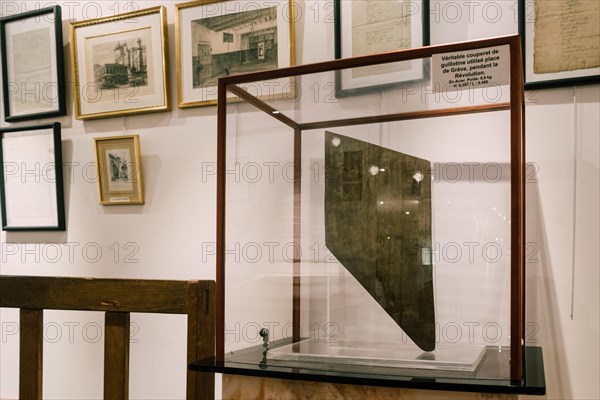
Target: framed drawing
column 31, row 190
column 561, row 42
column 119, row 170
column 217, row 38
column 120, row 64
column 376, row 26
column 33, row 78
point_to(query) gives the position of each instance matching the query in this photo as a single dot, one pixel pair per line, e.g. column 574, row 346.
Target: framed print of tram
column 120, row 64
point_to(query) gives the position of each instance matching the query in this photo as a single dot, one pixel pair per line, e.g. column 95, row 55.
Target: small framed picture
column 119, row 170
column 33, row 78
column 31, row 190
column 376, row 26
column 217, row 38
column 120, row 64
column 560, row 41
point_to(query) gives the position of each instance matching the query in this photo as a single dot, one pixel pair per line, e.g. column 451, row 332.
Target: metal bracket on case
column 264, row 333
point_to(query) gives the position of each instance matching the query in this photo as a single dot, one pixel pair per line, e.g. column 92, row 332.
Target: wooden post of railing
column 30, row 354
column 116, row 355
column 201, row 338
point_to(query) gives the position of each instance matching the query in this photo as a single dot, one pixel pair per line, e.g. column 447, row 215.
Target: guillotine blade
column 378, row 226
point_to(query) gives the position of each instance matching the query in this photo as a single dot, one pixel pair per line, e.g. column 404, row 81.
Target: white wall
column 166, row 237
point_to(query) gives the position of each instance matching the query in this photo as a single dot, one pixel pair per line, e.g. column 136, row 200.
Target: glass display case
column 371, row 214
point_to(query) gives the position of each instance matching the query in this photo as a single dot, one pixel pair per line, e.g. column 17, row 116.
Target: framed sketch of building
column 33, row 81
column 31, row 188
column 561, row 42
column 220, row 38
column 120, row 64
column 119, row 170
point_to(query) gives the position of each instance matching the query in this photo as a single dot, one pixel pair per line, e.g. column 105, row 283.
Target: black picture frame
column 49, row 95
column 422, row 5
column 527, row 15
column 43, row 172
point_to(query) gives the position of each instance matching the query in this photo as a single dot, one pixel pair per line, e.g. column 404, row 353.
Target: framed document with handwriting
column 33, row 79
column 561, row 42
column 375, row 26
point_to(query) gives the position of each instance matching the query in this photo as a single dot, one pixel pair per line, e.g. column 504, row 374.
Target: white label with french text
column 471, row 69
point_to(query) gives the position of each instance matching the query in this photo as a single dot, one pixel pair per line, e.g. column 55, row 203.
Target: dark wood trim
column 523, row 237
column 297, row 234
column 31, row 354
column 116, row 355
column 261, row 105
column 382, row 58
column 220, row 231
column 405, row 116
column 201, row 337
column 192, row 337
column 517, row 275
column 125, row 295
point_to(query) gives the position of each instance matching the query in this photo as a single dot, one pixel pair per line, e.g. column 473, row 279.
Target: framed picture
column 218, row 38
column 119, row 170
column 33, row 78
column 560, row 41
column 120, row 64
column 375, row 26
column 31, row 190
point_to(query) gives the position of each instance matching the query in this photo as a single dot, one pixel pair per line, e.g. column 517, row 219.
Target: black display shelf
column 488, row 378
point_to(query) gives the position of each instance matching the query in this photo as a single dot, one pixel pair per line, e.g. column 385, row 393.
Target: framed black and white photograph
column 120, row 170
column 32, row 65
column 375, row 26
column 120, row 64
column 217, row 38
column 561, row 42
column 31, row 190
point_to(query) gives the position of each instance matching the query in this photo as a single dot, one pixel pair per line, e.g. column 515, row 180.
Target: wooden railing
column 117, row 298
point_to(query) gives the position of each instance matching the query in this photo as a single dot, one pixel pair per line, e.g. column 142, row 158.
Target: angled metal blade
column 378, row 226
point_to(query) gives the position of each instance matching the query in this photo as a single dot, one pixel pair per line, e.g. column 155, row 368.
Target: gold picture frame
column 216, row 38
column 119, row 170
column 120, row 64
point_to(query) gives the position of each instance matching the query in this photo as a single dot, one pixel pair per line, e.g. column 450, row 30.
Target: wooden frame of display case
column 515, row 105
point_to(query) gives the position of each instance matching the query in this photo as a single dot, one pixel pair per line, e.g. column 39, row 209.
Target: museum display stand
column 370, row 222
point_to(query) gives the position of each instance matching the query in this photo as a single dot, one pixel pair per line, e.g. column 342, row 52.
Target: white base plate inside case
column 384, row 354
